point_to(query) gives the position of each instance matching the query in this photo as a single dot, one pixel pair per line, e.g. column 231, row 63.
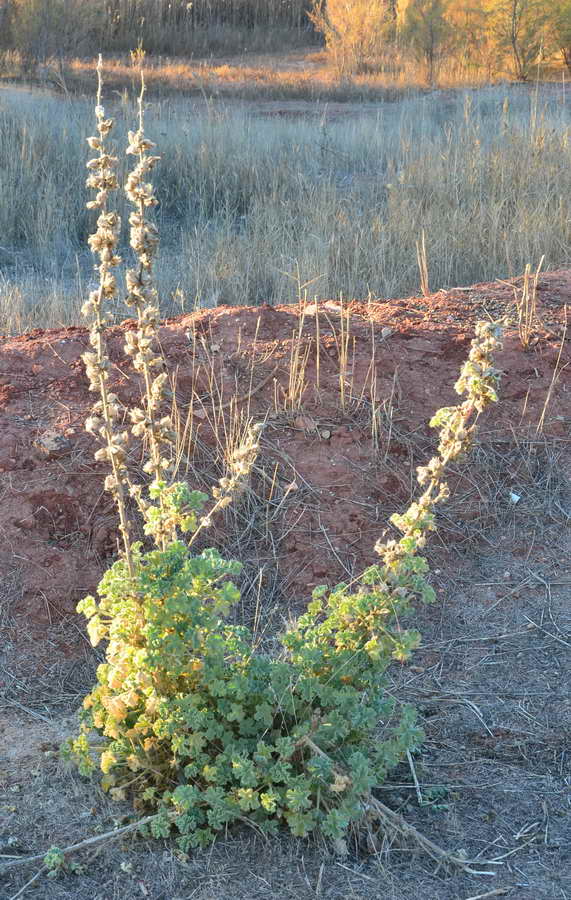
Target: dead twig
column 419, row 796
column 498, row 892
column 88, row 842
column 556, row 372
column 396, row 822
column 29, row 883
column 393, row 821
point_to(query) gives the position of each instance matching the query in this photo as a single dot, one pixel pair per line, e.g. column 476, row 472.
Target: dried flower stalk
column 106, row 413
column 238, row 469
column 147, row 422
column 171, row 506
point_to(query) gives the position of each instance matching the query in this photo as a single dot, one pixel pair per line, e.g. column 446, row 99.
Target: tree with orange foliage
column 429, row 33
column 560, row 28
column 520, row 28
column 355, row 31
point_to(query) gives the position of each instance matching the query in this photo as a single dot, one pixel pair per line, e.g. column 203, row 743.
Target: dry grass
column 299, row 75
column 256, row 200
column 265, row 72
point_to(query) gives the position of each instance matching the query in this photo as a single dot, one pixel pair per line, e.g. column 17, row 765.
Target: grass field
column 264, row 200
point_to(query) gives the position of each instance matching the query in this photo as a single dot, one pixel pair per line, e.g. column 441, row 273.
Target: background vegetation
column 498, row 36
column 43, row 28
column 253, row 207
column 256, row 208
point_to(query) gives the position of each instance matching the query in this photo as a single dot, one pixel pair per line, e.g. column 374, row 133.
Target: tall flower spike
column 140, row 345
column 238, row 469
column 478, row 380
column 107, row 412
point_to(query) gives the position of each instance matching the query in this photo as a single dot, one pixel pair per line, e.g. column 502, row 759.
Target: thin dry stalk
column 375, row 416
column 299, row 356
column 422, row 260
column 554, row 377
column 370, row 381
column 184, row 427
column 389, row 406
column 526, row 305
column 343, row 348
column 292, row 397
column 342, row 342
column 317, row 353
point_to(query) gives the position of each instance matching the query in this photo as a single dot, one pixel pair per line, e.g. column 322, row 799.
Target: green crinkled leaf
column 248, row 799
column 185, row 797
column 442, row 417
column 300, row 823
column 160, row 826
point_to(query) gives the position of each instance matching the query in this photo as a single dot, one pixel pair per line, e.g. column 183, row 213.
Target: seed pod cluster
column 238, row 467
column 478, row 380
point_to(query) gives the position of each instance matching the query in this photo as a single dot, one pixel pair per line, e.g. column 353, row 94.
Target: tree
column 560, row 27
column 5, row 17
column 428, row 32
column 475, row 46
column 47, row 29
column 355, row 31
column 520, row 28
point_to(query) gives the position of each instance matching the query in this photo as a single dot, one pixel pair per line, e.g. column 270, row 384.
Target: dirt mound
column 346, row 392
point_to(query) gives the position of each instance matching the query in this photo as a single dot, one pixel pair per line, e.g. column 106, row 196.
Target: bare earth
column 492, row 679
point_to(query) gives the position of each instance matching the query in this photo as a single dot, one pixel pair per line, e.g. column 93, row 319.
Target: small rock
column 26, row 524
column 52, row 444
column 305, row 423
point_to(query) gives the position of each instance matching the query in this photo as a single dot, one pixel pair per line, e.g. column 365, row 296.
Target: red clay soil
column 58, row 527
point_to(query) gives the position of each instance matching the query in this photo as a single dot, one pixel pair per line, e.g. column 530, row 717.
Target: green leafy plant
column 54, row 861
column 187, row 718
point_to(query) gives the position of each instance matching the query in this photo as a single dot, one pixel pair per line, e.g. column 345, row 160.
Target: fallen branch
column 499, row 892
column 29, row 883
column 88, row 842
column 396, row 823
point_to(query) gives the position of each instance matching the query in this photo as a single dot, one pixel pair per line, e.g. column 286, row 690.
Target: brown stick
column 397, row 823
column 88, row 842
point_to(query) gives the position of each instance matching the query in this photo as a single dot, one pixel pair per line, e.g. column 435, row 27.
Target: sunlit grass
column 256, row 201
column 302, row 74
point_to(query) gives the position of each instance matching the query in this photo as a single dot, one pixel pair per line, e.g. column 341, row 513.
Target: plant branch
column 81, row 845
column 397, row 823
